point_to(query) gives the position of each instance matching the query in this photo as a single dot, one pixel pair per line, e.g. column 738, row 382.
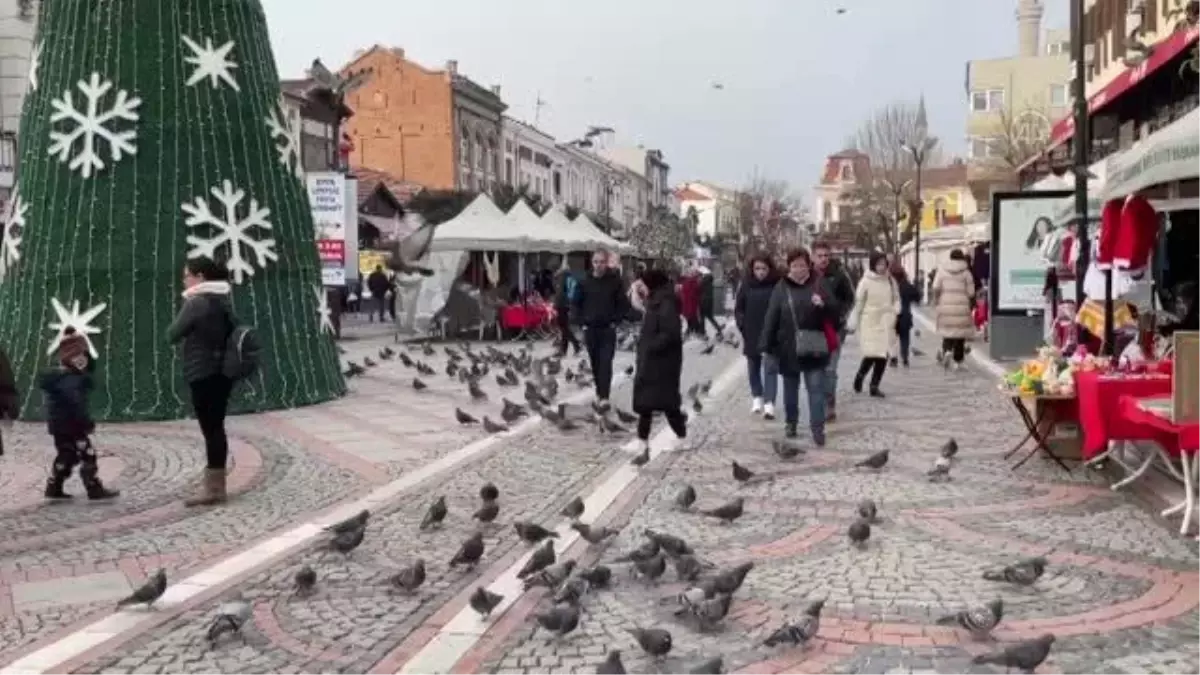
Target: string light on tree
column 91, row 126
column 284, row 134
column 73, row 317
column 35, row 62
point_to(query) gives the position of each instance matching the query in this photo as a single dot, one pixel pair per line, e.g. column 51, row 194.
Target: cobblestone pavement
column 1121, row 592
column 64, row 565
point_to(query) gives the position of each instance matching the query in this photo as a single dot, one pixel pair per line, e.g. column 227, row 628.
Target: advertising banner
column 327, row 197
column 1021, row 221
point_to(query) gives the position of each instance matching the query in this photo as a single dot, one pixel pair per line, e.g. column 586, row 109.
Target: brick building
column 436, row 128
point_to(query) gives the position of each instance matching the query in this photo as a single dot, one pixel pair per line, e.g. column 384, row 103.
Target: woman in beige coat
column 876, row 304
column 954, row 297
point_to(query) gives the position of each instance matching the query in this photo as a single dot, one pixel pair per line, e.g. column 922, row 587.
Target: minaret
column 922, row 119
column 1029, row 26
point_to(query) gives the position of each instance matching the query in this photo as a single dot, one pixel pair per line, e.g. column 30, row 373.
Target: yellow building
column 947, row 197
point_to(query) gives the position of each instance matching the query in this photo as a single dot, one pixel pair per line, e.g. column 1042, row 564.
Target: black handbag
column 810, row 344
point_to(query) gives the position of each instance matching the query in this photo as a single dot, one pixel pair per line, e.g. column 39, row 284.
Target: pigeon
column 541, row 559
column 785, row 450
column 978, row 621
column 688, row 568
column 354, row 522
column 470, row 552
column 693, row 391
column 707, row 612
column 950, row 449
column 552, row 576
column 728, row 581
column 427, row 349
column 353, row 369
column 729, row 512
column 593, row 535
column 643, row 457
column 625, row 417
column 512, row 411
column 571, row 591
column 487, row 511
column 740, row 473
column 451, row 369
column 1022, row 573
column 418, row 385
column 368, row 362
column 597, row 576
column 565, row 424
column 435, row 515
column 476, row 393
column 387, row 354
column 697, row 406
column 651, row 569
column 489, row 492
column 940, row 472
column 800, row 631
column 859, row 533
column 410, row 578
column 713, row 666
column 573, row 509
column 868, row 511
column 875, row 461
column 532, row 533
column 560, row 620
column 464, row 418
column 1025, row 656
column 231, row 616
column 685, row 497
column 493, row 427
column 148, row 593
column 646, row 551
column 612, row 664
column 708, row 348
column 305, row 581
column 346, row 542
column 484, row 601
column 669, row 543
column 406, row 360
column 654, row 641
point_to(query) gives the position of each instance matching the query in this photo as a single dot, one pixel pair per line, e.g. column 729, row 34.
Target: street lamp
column 919, row 149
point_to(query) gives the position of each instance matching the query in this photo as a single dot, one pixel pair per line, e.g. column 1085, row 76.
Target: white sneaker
column 769, row 411
column 756, row 405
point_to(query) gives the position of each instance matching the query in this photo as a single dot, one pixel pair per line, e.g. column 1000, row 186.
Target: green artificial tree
column 152, row 133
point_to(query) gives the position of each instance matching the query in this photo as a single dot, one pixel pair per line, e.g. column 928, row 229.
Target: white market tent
column 539, row 236
column 590, row 231
column 482, row 226
column 1168, row 155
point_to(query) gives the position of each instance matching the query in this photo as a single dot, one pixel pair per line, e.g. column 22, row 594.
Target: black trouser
column 210, row 400
column 601, row 343
column 905, row 336
column 676, row 420
column 955, row 346
column 695, row 325
column 876, row 365
column 565, row 334
column 71, row 451
column 706, row 317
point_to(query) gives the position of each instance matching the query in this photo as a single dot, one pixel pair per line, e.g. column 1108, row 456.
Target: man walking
column 842, row 289
column 599, row 305
column 380, row 287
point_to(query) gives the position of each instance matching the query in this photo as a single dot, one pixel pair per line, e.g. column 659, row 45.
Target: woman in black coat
column 794, row 338
column 749, row 311
column 659, row 359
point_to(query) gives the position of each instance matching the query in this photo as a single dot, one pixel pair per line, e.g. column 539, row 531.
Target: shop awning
column 1169, row 154
column 1166, row 50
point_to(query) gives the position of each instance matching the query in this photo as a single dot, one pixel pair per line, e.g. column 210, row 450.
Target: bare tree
column 883, row 136
column 1021, row 134
column 663, row 237
column 873, row 213
column 770, row 213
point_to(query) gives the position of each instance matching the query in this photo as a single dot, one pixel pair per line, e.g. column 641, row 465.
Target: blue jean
column 763, row 378
column 814, row 389
column 831, row 373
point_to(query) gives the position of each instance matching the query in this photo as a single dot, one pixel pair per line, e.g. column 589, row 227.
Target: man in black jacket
column 842, row 289
column 381, row 286
column 599, row 306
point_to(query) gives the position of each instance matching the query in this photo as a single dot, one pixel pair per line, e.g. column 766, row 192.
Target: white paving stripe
column 73, row 645
column 464, row 631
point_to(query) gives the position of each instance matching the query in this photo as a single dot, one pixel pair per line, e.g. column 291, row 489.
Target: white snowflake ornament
column 91, row 125
column 35, row 64
column 212, row 63
column 286, row 137
column 324, row 314
column 230, row 231
column 14, row 226
column 73, row 318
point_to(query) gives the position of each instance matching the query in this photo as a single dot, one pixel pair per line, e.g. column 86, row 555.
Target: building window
column 1058, row 95
column 481, row 155
column 1055, row 48
column 508, row 171
column 939, row 211
column 494, row 156
column 464, row 149
column 987, row 100
column 827, row 212
column 557, row 186
column 981, row 147
column 847, row 173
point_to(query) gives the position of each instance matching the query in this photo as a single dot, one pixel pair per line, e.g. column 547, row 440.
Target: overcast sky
column 797, row 77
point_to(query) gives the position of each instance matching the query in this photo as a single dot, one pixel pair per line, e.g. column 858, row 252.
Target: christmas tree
column 153, row 133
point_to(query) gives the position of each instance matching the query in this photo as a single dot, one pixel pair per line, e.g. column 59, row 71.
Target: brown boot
column 212, row 489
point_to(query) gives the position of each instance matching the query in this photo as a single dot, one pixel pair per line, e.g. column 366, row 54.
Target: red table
column 1099, row 401
column 1174, row 440
column 525, row 317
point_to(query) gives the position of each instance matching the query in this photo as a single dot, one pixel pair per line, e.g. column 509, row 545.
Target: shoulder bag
column 810, row 344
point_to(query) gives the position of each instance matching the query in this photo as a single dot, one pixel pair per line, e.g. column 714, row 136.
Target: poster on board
column 1021, row 221
column 327, row 198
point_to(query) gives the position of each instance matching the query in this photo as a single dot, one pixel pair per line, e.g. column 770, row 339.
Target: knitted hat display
column 1139, row 229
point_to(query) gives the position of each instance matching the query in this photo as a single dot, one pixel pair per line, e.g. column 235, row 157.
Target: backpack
column 242, row 348
column 572, row 289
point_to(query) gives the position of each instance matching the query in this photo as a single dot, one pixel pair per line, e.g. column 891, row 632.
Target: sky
column 797, row 78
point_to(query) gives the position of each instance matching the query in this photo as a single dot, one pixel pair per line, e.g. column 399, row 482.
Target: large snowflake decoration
column 72, row 317
column 35, row 63
column 91, row 126
column 14, row 225
column 212, row 63
column 230, row 231
column 324, row 314
column 284, row 133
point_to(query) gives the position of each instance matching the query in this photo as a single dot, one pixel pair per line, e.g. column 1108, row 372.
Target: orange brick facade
column 403, row 121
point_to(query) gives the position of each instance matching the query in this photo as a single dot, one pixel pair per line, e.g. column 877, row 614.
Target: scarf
column 207, row 288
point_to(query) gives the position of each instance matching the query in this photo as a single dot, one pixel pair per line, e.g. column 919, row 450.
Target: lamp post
column 919, row 149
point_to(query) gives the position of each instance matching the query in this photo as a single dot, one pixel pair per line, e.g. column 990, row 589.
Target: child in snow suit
column 69, row 422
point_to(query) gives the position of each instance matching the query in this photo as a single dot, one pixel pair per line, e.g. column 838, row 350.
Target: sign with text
column 331, row 251
column 327, row 197
column 1021, row 221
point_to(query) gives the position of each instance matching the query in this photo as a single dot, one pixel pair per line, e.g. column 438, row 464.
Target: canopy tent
column 482, row 226
column 589, row 231
column 540, row 237
column 1167, row 155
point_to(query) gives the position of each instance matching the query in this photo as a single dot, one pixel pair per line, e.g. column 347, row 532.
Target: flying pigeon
column 405, row 252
